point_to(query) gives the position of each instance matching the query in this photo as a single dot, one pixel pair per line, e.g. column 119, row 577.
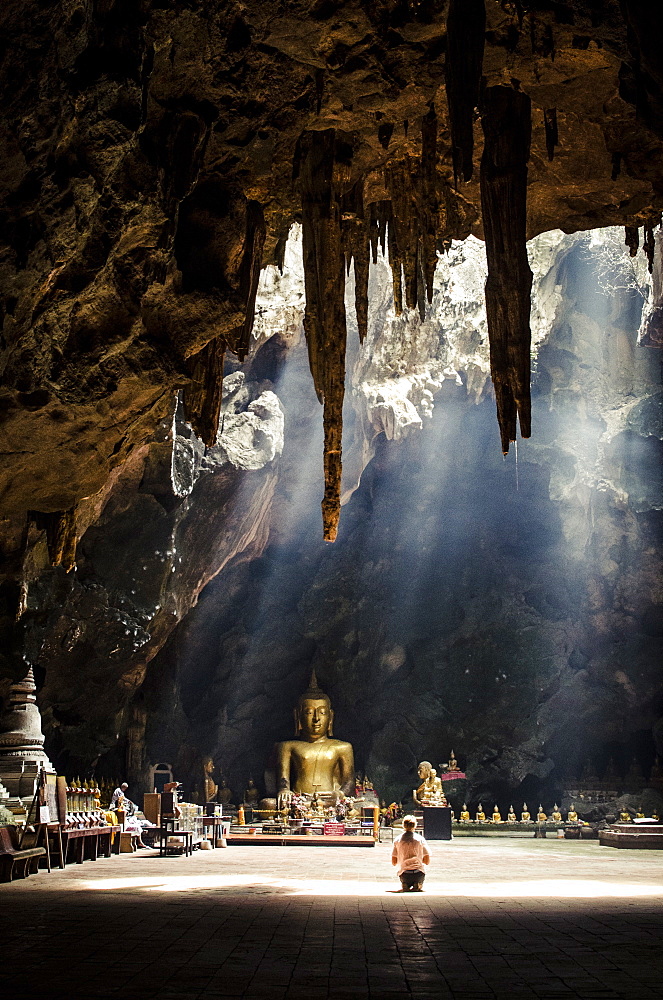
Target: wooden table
column 90, row 843
column 218, row 823
column 168, row 829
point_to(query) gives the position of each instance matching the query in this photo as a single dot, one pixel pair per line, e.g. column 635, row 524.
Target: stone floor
column 500, row 918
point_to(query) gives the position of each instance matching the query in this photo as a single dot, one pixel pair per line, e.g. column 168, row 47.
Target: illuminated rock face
column 523, row 600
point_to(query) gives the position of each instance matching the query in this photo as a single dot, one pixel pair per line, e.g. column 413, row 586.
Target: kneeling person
column 410, row 853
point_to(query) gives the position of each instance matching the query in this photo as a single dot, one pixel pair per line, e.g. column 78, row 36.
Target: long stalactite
column 466, row 26
column 324, row 317
column 507, row 126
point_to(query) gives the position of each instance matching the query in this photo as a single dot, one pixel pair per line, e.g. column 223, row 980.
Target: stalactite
column 249, row 276
column 648, row 243
column 552, row 135
column 202, row 397
column 402, row 255
column 616, row 161
column 324, row 318
column 506, row 119
column 60, row 528
column 356, row 246
column 430, row 202
column 466, row 26
column 632, row 239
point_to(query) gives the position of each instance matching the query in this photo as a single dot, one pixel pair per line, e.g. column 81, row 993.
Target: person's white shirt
column 410, row 852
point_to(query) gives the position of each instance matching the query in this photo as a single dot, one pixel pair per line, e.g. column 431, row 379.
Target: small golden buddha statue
column 541, row 816
column 656, row 774
column 317, row 807
column 572, row 815
column 497, row 816
column 556, row 815
column 465, row 815
column 525, row 816
column 210, row 787
column 480, row 816
column 453, row 763
column 640, row 814
column 251, row 794
column 313, row 761
column 225, row 794
column 625, row 816
column 511, row 816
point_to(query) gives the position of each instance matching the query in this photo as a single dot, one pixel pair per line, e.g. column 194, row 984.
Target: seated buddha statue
column 572, row 816
column 465, row 815
column 556, row 815
column 511, row 817
column 251, row 794
column 541, row 816
column 210, row 787
column 429, row 791
column 625, row 816
column 525, row 816
column 225, row 794
column 497, row 816
column 453, row 763
column 313, row 761
column 480, row 816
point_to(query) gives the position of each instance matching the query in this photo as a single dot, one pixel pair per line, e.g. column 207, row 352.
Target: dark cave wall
column 509, row 610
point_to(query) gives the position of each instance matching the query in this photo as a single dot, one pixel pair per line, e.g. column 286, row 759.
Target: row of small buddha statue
column 525, row 815
column 612, row 779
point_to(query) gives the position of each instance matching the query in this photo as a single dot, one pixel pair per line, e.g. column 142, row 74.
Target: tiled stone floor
column 500, row 918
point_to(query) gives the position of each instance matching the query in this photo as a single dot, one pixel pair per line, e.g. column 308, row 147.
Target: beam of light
column 524, row 889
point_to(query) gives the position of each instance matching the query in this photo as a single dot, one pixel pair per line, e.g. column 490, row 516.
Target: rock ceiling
column 155, row 155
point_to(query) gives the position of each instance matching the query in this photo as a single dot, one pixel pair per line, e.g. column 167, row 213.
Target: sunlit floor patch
column 533, row 888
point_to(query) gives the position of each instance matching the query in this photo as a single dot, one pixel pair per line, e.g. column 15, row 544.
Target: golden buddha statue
column 251, row 794
column 625, row 816
column 541, row 816
column 572, row 816
column 640, row 814
column 317, row 807
column 313, row 761
column 210, row 787
column 225, row 794
column 480, row 816
column 656, row 774
column 453, row 763
column 429, row 791
column 497, row 815
column 465, row 814
column 525, row 816
column 556, row 815
column 511, row 817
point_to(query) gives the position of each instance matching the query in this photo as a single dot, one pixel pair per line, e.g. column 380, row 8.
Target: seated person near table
column 410, row 853
column 119, row 796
